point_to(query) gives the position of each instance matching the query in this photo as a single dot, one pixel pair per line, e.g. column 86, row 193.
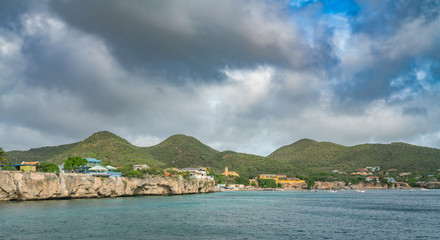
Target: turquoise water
column 386, row 214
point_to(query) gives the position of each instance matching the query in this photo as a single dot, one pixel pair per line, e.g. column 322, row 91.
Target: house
column 93, row 161
column 29, row 166
column 362, row 173
column 141, row 166
column 373, row 169
column 338, row 172
column 372, row 178
column 404, row 174
column 237, row 186
column 390, row 180
column 172, row 171
column 280, row 178
column 230, row 173
column 106, row 171
column 199, row 173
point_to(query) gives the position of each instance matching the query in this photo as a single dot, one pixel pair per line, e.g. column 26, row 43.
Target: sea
column 375, row 214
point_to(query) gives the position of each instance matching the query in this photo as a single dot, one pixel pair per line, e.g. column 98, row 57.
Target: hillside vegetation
column 303, row 157
column 311, row 156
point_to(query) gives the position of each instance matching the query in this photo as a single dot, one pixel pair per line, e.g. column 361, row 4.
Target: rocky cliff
column 342, row 185
column 431, row 185
column 38, row 186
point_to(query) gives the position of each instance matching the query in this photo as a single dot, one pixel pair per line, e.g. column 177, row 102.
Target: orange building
column 230, row 173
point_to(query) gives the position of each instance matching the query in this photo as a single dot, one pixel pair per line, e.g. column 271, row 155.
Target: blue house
column 93, row 161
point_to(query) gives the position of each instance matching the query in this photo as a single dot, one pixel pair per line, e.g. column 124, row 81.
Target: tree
column 2, row 157
column 384, row 181
column 48, row 167
column 310, row 182
column 155, row 171
column 73, row 163
column 242, row 180
column 267, row 183
column 219, row 179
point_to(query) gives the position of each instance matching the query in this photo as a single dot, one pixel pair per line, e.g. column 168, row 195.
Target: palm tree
column 2, row 156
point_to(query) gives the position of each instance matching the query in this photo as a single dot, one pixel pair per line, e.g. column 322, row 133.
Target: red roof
column 30, row 163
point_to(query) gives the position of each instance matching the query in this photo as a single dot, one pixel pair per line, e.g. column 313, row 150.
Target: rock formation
column 38, row 186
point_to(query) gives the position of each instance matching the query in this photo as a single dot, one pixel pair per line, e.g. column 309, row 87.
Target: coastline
column 324, row 186
column 21, row 186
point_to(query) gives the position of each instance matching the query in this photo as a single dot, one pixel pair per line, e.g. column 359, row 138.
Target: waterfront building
column 280, row 178
column 199, row 173
column 106, row 171
column 172, row 171
column 93, row 161
column 29, row 166
column 230, row 173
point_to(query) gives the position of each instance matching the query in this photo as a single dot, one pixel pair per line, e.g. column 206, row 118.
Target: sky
column 247, row 76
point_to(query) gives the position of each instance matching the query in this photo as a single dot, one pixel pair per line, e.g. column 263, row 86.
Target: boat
column 332, row 191
column 423, row 189
column 360, row 190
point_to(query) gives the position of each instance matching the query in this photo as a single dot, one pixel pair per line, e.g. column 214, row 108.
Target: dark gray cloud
column 248, row 76
column 192, row 39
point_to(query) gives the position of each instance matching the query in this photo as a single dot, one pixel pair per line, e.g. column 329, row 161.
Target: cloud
column 195, row 39
column 247, row 76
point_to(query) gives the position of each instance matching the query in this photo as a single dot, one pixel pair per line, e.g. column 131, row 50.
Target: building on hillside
column 390, row 179
column 404, row 174
column 372, row 178
column 373, row 169
column 29, row 166
column 272, row 176
column 362, row 173
column 339, row 172
column 140, row 166
column 230, row 173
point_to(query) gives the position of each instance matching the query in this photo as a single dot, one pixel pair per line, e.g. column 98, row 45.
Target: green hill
column 110, row 148
column 300, row 158
column 183, row 151
column 311, row 156
column 38, row 154
column 104, row 145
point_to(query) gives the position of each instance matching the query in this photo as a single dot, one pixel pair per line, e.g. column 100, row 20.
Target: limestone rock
column 37, row 186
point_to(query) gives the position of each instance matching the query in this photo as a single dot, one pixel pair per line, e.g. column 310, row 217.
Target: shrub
column 155, row 171
column 242, row 180
column 48, row 167
column 267, row 183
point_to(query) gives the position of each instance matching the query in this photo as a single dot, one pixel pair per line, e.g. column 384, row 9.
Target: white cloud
column 59, row 84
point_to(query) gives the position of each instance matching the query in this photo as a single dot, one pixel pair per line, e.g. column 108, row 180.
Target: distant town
column 229, row 180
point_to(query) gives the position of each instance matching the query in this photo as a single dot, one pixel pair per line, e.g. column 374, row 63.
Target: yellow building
column 281, row 178
column 29, row 166
column 230, row 173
